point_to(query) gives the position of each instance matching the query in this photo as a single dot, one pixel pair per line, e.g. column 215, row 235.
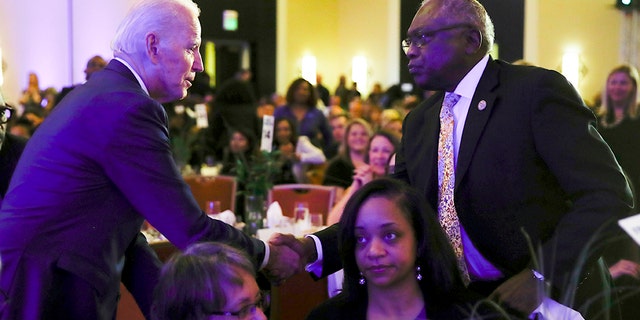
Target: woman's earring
column 362, row 280
column 418, row 274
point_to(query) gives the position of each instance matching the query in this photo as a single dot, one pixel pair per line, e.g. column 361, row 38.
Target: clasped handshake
column 288, row 256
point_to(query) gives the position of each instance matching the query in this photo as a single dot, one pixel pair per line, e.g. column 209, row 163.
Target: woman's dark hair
column 387, row 135
column 292, row 126
column 194, row 283
column 441, row 279
column 251, row 138
column 313, row 96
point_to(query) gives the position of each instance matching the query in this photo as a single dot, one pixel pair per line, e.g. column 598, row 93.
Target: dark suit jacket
column 530, row 161
column 96, row 168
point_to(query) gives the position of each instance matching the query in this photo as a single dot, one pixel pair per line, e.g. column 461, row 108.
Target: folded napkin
column 226, row 216
column 274, row 215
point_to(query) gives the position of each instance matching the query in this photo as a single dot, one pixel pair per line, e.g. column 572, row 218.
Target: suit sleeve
column 331, row 255
column 566, row 139
column 138, row 161
column 141, row 272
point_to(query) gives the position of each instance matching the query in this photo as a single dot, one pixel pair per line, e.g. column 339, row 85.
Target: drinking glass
column 316, row 220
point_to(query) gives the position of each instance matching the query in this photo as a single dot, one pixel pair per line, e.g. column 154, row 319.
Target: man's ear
column 152, row 45
column 474, row 38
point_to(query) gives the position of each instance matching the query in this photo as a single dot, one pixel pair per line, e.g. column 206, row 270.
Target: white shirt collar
column 467, row 87
column 126, row 64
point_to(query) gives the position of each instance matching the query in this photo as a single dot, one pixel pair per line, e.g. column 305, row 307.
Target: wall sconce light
column 359, row 71
column 230, row 20
column 571, row 66
column 1, row 69
column 309, row 68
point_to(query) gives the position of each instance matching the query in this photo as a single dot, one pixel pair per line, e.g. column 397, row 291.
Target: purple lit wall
column 54, row 39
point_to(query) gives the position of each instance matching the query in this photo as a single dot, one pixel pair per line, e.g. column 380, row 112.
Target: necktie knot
column 450, row 100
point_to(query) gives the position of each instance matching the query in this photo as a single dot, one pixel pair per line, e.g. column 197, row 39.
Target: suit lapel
column 480, row 110
column 427, row 177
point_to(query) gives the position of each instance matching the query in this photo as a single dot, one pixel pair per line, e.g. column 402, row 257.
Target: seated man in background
column 96, row 63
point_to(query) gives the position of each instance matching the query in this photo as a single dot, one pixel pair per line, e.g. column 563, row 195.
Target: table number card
column 632, row 226
column 266, row 142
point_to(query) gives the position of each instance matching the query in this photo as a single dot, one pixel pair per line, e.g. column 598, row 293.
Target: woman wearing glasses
column 208, row 281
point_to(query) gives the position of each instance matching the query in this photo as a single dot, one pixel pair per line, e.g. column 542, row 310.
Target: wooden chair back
column 219, row 188
column 320, row 198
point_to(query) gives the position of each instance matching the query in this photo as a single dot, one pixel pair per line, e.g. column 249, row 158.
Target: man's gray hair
column 158, row 16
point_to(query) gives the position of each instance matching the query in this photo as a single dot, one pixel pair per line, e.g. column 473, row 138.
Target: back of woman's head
column 194, row 283
column 434, row 253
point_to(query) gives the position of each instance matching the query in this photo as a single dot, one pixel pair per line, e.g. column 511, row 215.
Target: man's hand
column 625, row 267
column 305, row 247
column 283, row 263
column 522, row 293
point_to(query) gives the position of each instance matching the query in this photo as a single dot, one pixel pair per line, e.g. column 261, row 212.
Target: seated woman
column 398, row 263
column 351, row 156
column 296, row 153
column 208, row 281
column 380, row 148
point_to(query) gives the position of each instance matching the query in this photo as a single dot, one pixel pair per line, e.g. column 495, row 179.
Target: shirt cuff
column 267, row 251
column 315, row 267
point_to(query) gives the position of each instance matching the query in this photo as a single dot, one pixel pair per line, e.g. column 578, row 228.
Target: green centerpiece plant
column 256, row 175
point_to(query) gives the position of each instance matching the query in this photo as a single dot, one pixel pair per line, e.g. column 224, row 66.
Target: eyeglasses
column 5, row 113
column 246, row 311
column 422, row 39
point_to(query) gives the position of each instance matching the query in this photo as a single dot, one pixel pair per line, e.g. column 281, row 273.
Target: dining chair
column 219, row 188
column 320, row 198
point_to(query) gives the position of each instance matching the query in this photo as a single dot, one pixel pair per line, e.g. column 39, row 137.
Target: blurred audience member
column 31, row 98
column 20, row 127
column 376, row 95
column 391, row 121
column 620, row 128
column 619, row 124
column 397, row 261
column 296, row 153
column 10, row 148
column 95, row 64
column 235, row 107
column 356, row 109
column 338, row 123
column 241, row 145
column 379, row 150
column 351, row 156
column 301, row 109
column 342, row 92
column 208, row 281
column 322, row 91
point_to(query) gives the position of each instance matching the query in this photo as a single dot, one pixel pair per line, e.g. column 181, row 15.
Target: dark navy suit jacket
column 530, row 161
column 96, row 168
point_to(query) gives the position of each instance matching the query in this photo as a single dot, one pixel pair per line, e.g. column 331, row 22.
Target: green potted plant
column 257, row 177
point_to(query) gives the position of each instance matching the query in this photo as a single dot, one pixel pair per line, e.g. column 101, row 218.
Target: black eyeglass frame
column 421, row 39
column 4, row 118
column 250, row 309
